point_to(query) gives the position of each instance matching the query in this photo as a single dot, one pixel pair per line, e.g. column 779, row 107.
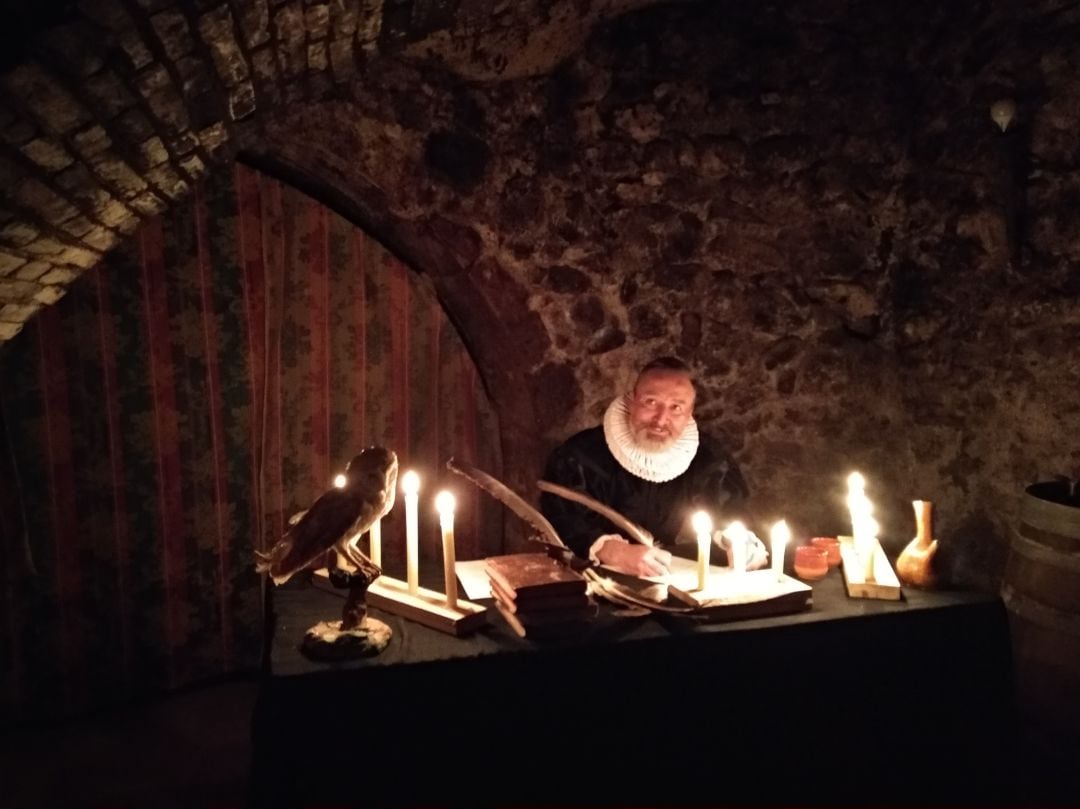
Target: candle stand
column 427, row 607
column 885, row 586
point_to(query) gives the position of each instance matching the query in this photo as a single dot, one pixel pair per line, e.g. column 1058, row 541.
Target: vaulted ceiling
column 110, row 110
column 807, row 200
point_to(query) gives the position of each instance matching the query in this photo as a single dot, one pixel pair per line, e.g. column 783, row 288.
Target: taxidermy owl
column 337, row 518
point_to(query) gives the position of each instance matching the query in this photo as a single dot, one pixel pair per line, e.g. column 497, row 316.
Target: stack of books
column 537, row 595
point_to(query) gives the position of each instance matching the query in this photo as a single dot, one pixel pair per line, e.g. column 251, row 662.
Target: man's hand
column 637, row 560
column 756, row 553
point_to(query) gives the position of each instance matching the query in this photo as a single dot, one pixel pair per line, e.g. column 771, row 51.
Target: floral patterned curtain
column 187, row 396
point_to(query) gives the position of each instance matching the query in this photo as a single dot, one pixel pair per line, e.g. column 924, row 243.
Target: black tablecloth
column 853, row 701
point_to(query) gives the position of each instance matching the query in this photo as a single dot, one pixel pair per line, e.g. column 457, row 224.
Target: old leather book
column 539, row 601
column 553, row 623
column 529, row 575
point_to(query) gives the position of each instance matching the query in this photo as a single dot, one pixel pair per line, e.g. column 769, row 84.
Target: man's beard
column 650, row 444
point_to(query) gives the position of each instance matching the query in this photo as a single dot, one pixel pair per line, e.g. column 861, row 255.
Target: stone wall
column 809, row 202
column 810, row 210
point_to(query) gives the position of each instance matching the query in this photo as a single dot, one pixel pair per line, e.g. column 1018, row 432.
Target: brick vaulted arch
column 111, row 111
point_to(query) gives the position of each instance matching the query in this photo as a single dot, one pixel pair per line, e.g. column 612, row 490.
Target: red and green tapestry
column 186, row 397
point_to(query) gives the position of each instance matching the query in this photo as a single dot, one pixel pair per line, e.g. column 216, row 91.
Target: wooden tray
column 885, row 585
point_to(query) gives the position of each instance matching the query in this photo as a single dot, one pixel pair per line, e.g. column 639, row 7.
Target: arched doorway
column 186, row 397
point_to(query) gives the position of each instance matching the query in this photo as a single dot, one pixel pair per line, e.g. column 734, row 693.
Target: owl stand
column 357, row 634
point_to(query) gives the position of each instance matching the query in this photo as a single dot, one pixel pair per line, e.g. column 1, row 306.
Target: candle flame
column 736, row 531
column 781, row 533
column 445, row 503
column 863, row 524
column 410, row 482
column 340, row 481
column 702, row 522
column 856, row 483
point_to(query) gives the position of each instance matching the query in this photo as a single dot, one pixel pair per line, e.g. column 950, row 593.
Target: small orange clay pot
column 831, row 545
column 811, row 563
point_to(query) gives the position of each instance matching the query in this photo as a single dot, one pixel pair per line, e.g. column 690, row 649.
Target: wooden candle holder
column 427, row 607
column 885, row 585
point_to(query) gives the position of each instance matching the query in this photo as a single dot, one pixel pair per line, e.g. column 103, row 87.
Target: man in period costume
column 648, row 462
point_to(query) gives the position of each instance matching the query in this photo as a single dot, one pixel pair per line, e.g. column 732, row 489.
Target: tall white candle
column 375, row 538
column 868, row 551
column 864, row 528
column 779, row 537
column 410, row 487
column 856, row 500
column 736, row 537
column 703, row 528
column 444, row 504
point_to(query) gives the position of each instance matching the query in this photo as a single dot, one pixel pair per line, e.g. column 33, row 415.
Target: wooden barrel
column 1041, row 589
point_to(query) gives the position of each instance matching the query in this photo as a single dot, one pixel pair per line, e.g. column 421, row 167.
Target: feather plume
column 511, row 499
column 632, row 529
column 602, row 586
column 628, row 597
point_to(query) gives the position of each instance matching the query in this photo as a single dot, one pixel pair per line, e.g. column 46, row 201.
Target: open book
column 727, row 594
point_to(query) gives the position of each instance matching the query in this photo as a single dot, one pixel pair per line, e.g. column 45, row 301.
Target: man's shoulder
column 711, row 451
column 583, row 439
column 709, row 445
column 584, row 449
column 712, row 461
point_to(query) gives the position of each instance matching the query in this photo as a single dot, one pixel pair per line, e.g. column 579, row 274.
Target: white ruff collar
column 657, row 467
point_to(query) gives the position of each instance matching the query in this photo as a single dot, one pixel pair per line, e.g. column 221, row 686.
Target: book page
column 473, row 578
column 683, row 573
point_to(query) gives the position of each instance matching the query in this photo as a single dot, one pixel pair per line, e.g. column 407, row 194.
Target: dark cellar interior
column 240, row 238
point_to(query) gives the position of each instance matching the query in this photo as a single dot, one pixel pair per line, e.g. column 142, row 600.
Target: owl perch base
column 357, row 634
column 327, row 641
column 427, row 607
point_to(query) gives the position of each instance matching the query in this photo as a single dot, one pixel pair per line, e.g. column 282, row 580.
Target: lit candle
column 856, row 499
column 703, row 527
column 736, row 537
column 868, row 553
column 375, row 537
column 339, row 483
column 444, row 504
column 779, row 537
column 410, row 486
column 864, row 527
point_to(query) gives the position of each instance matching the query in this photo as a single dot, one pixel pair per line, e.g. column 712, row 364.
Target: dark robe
column 712, row 482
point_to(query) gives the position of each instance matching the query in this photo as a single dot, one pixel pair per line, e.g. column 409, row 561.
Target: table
column 851, row 702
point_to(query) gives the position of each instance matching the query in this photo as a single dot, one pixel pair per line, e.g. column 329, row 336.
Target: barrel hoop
column 1062, row 520
column 1059, row 542
column 1040, row 614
